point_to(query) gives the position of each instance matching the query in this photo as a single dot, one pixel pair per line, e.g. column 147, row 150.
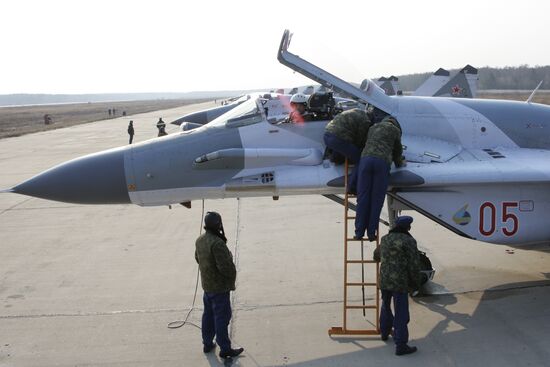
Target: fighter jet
column 196, row 119
column 199, row 118
column 462, row 85
column 478, row 167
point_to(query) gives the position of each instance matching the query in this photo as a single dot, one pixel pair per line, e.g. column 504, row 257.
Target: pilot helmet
column 299, row 98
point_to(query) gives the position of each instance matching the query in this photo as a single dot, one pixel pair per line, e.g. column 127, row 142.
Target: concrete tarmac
column 97, row 285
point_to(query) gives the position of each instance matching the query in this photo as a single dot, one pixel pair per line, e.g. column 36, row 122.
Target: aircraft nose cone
column 93, row 179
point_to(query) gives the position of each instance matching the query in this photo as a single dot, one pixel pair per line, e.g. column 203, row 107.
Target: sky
column 120, row 46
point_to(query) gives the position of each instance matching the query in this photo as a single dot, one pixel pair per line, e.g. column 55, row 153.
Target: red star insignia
column 455, row 91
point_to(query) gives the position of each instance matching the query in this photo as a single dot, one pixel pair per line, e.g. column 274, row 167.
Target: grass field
column 15, row 121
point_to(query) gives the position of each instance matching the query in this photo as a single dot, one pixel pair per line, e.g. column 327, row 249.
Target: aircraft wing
column 371, row 93
column 493, row 195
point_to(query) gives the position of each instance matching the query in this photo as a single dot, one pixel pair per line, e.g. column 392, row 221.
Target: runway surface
column 97, row 285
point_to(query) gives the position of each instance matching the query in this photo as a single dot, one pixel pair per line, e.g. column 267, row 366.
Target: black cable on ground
column 179, row 323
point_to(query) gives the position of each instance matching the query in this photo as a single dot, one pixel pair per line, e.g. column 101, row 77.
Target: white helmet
column 298, row 98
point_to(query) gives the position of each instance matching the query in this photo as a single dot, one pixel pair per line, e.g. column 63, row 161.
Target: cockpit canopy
column 270, row 106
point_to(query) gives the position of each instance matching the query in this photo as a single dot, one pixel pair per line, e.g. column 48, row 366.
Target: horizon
column 65, row 47
column 271, row 88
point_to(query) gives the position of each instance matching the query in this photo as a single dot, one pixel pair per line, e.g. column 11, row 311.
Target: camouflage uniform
column 400, row 263
column 399, row 273
column 384, row 142
column 351, row 126
column 346, row 136
column 218, row 275
column 218, row 271
column 383, row 145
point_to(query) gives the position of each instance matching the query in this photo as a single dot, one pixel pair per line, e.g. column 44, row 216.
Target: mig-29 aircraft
column 478, row 167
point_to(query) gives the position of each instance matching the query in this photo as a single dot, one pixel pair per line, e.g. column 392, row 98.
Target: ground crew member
column 161, row 126
column 218, row 276
column 399, row 275
column 383, row 146
column 298, row 104
column 346, row 136
column 131, row 131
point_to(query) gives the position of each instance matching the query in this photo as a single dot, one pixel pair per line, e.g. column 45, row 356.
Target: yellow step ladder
column 349, row 305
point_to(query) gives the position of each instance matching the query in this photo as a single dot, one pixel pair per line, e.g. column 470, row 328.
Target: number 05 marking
column 509, row 221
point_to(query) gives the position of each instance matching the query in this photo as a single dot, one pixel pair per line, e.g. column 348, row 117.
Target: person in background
column 161, row 126
column 131, row 131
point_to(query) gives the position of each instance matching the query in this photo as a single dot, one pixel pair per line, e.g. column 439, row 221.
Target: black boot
column 231, row 353
column 404, row 349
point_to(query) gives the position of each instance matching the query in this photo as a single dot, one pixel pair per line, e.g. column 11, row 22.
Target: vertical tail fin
column 433, row 83
column 389, row 85
column 462, row 85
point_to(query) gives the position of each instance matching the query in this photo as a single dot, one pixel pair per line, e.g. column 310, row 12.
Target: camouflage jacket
column 216, row 265
column 400, row 262
column 384, row 142
column 352, row 125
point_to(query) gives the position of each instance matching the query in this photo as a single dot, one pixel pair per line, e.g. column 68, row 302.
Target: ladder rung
column 369, row 307
column 350, row 218
column 364, row 239
column 361, row 262
column 360, row 284
column 342, row 331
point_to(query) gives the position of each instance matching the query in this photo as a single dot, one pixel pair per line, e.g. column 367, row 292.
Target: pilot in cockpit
column 298, row 104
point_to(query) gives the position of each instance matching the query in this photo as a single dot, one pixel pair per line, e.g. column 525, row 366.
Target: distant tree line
column 520, row 77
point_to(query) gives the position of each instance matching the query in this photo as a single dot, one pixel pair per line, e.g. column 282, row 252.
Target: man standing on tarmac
column 161, row 125
column 399, row 274
column 131, row 131
column 383, row 146
column 218, row 274
column 345, row 136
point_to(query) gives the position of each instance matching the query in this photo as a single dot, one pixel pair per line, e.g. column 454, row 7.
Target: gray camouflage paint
column 171, row 164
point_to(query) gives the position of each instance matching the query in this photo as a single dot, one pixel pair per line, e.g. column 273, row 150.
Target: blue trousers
column 347, row 150
column 215, row 319
column 372, row 183
column 398, row 321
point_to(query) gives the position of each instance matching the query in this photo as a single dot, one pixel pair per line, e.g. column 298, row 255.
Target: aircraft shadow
column 502, row 326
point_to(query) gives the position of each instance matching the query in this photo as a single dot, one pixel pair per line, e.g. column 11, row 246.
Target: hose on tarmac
column 179, row 323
